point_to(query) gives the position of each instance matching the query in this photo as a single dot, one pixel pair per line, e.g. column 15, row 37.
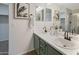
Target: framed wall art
column 21, row 10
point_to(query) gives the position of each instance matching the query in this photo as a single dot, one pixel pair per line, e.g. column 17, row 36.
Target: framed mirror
column 39, row 14
column 43, row 14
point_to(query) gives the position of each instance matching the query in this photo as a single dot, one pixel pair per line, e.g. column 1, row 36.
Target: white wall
column 20, row 35
column 75, row 22
column 75, row 11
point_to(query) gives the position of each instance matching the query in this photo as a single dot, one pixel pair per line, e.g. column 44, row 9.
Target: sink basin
column 63, row 43
column 66, row 44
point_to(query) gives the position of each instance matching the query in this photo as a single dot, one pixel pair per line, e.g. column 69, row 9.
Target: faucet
column 45, row 30
column 66, row 36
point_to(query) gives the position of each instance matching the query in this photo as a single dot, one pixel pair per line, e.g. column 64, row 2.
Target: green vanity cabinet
column 36, row 44
column 43, row 48
column 52, row 51
column 39, row 45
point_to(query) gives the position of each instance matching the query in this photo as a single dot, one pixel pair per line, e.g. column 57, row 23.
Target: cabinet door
column 42, row 47
column 52, row 51
column 36, row 43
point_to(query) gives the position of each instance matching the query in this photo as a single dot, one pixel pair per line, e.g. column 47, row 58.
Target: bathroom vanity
column 43, row 48
column 45, row 44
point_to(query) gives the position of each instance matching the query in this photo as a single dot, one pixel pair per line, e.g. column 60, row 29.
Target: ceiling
column 71, row 6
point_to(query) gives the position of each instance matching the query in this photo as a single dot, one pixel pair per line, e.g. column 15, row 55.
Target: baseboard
column 32, row 52
column 25, row 52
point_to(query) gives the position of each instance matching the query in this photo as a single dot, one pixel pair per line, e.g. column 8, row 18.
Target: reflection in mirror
column 56, row 21
column 43, row 14
column 63, row 19
column 75, row 22
column 48, row 14
column 39, row 14
column 62, row 23
column 64, row 16
column 69, row 21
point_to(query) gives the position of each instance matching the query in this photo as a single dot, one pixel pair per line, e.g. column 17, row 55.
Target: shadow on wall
column 29, row 44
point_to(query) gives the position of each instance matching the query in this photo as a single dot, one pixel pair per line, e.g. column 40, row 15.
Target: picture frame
column 21, row 10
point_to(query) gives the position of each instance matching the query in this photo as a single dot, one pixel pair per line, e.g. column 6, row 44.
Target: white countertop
column 50, row 40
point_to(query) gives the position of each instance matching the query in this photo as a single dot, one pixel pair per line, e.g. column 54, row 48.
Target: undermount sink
column 63, row 43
